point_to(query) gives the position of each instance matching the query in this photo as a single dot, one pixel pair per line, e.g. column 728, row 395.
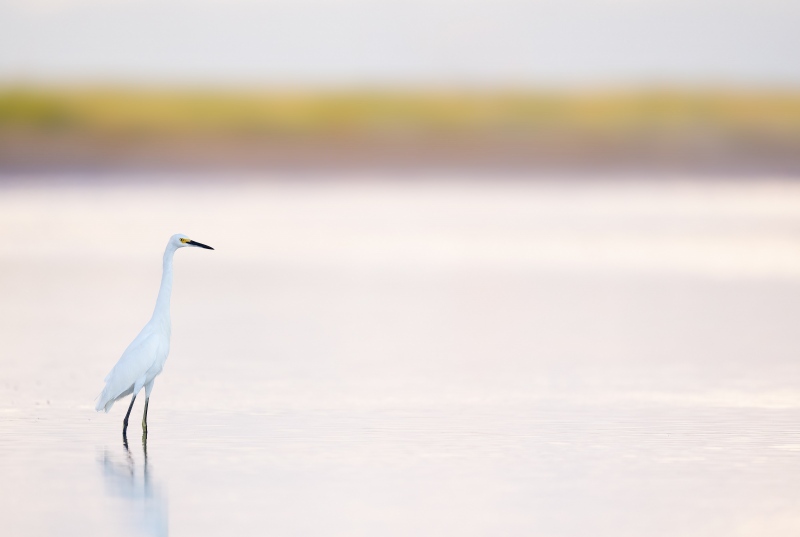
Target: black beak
column 200, row 244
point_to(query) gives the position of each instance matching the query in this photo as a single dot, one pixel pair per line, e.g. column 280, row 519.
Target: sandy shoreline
column 34, row 153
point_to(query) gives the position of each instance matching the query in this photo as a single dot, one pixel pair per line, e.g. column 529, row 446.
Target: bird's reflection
column 144, row 502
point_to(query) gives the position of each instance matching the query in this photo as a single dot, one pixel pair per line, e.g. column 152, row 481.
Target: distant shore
column 101, row 129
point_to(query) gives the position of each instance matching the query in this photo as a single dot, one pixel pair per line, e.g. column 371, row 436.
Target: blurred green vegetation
column 176, row 113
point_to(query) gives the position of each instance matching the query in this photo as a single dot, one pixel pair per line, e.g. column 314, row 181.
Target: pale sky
column 546, row 43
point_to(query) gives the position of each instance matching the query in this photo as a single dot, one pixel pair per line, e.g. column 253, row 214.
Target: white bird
column 144, row 358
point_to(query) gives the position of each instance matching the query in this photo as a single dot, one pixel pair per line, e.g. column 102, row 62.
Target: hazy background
column 481, row 268
column 586, row 85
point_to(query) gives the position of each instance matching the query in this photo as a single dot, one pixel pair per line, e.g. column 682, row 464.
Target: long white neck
column 161, row 312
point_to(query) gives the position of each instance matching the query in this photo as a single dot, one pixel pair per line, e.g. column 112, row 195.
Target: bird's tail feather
column 110, row 395
column 104, row 406
column 105, row 400
column 103, row 403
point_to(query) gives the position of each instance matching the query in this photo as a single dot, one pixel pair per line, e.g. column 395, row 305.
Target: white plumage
column 144, row 358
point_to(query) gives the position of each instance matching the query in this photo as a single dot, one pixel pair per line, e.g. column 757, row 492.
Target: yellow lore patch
column 184, row 241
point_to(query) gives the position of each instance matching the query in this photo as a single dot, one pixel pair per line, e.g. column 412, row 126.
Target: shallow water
column 389, row 357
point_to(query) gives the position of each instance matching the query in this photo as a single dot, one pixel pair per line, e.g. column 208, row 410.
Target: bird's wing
column 134, row 363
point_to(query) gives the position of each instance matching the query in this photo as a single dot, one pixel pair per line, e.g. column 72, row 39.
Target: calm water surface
column 380, row 357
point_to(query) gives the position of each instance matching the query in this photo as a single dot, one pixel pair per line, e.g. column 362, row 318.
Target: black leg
column 144, row 418
column 125, row 421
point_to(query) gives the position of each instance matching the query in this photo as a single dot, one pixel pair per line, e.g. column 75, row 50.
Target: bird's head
column 180, row 240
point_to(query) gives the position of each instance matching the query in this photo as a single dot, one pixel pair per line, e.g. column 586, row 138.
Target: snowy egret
column 144, row 358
